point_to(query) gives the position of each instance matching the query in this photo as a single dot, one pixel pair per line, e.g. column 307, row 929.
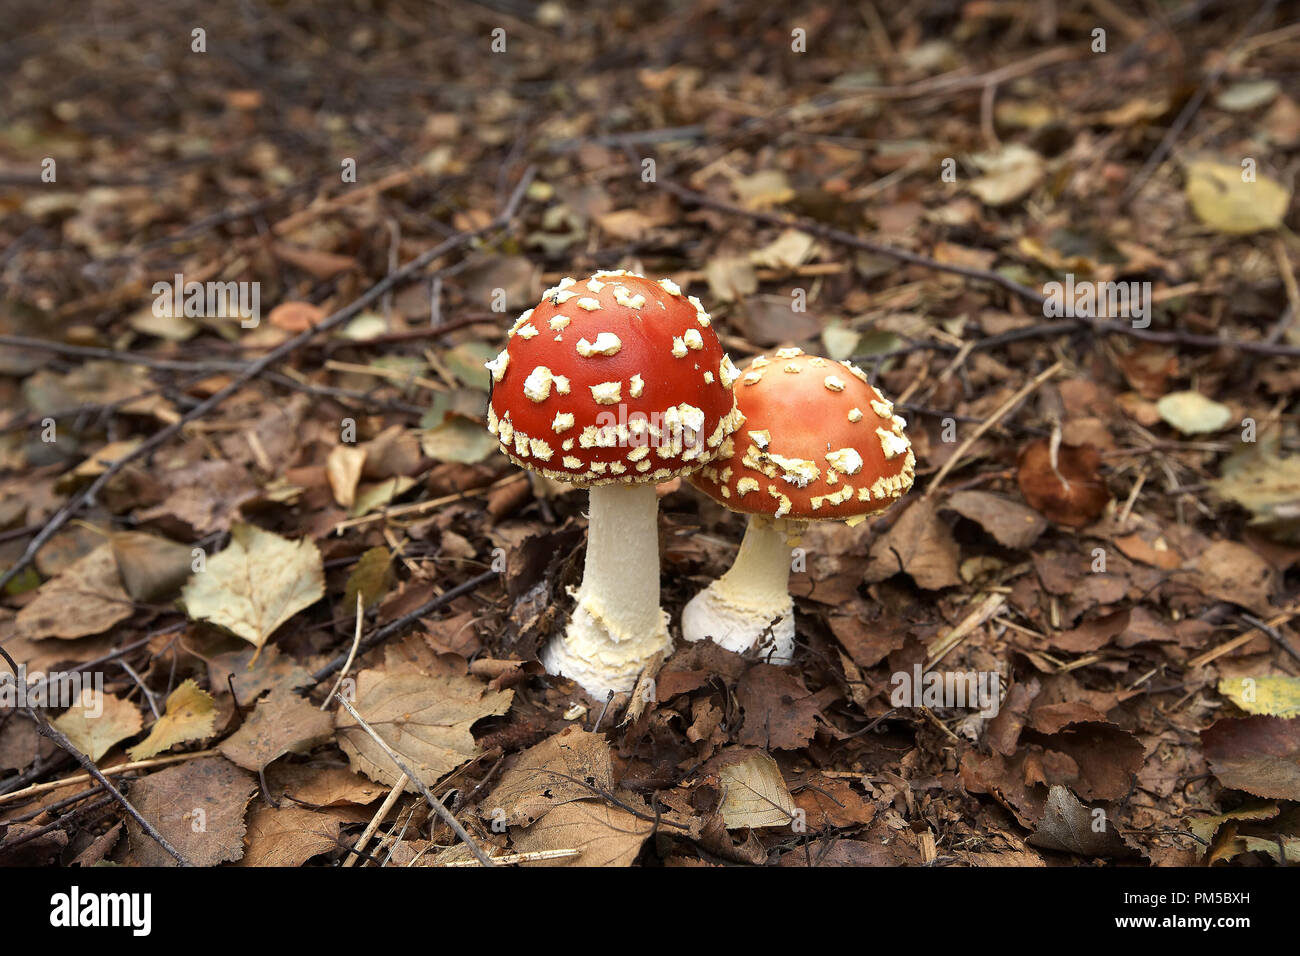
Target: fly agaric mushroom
column 818, row 442
column 615, row 383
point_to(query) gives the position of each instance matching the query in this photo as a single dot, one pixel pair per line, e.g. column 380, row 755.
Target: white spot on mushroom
column 892, row 445
column 626, row 300
column 520, row 321
column 563, row 422
column 783, row 503
column 708, row 377
column 746, row 485
column 855, row 415
column 727, row 373
column 540, row 449
column 607, row 393
column 635, row 386
column 856, row 372
column 567, row 444
column 595, row 285
column 693, row 339
column 752, row 378
column 588, row 303
column 526, row 332
column 671, row 287
column 607, row 343
column 846, row 461
column 760, row 361
column 537, row 386
column 498, row 365
column 834, row 383
column 563, row 297
column 679, row 347
column 792, row 369
column 761, row 438
column 799, row 472
column 788, row 353
column 882, row 408
column 559, row 323
column 570, row 461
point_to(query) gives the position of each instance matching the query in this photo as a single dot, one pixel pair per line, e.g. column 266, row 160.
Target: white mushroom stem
column 750, row 605
column 617, row 627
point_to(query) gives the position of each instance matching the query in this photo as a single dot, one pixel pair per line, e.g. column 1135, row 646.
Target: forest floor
column 1107, row 506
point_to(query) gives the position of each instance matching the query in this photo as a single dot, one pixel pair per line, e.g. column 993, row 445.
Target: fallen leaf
column 190, row 715
column 343, row 471
column 322, row 786
column 371, row 577
column 549, row 774
column 256, row 584
column 1223, row 199
column 198, row 807
column 754, row 794
column 295, row 316
column 1011, row 523
column 87, row 598
column 1073, row 494
column 1271, row 695
column 1010, row 174
column 288, row 835
column 780, row 713
column 282, row 723
column 1071, row 827
column 1260, row 755
column 151, row 568
column 1192, row 413
column 919, row 544
column 97, row 721
column 607, row 835
column 425, row 719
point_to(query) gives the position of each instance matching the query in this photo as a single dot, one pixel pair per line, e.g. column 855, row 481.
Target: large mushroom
column 819, row 443
column 616, row 383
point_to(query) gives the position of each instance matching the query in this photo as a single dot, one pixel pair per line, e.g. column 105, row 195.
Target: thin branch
column 437, row 806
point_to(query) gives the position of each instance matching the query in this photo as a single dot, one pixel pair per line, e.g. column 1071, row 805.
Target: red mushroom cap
column 617, row 378
column 818, row 442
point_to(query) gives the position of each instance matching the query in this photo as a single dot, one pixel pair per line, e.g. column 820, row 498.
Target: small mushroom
column 591, row 390
column 818, row 443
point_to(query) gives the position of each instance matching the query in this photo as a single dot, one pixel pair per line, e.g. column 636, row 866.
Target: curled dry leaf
column 1011, row 523
column 1071, row 827
column 1072, row 493
column 190, row 715
column 754, row 794
column 606, row 835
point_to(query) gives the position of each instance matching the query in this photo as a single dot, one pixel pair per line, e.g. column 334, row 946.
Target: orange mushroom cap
column 819, row 442
column 615, row 378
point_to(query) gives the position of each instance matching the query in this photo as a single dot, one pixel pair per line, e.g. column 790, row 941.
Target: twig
column 49, row 731
column 509, row 858
column 437, row 806
column 39, row 788
column 393, row 796
column 255, row 368
column 356, row 641
column 988, row 423
column 392, row 627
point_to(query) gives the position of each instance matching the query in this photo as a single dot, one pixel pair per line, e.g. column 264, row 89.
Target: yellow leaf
column 1274, row 696
column 97, row 721
column 1223, row 199
column 754, row 794
column 190, row 715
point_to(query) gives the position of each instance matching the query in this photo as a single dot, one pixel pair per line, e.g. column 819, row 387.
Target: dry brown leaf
column 1260, row 755
column 605, row 834
column 754, row 794
column 282, row 723
column 425, row 719
column 919, row 544
column 561, row 768
column 288, row 835
column 1011, row 523
column 87, row 598
column 198, row 807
